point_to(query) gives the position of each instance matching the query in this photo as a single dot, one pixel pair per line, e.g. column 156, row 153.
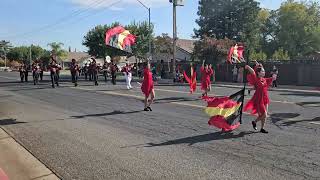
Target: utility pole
column 174, row 36
column 150, row 40
column 150, row 53
column 175, row 3
column 30, row 56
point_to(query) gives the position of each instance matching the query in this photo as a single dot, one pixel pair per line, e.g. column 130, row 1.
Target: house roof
column 186, row 44
column 77, row 56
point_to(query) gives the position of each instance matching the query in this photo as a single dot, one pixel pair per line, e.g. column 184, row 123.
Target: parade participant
column 41, row 70
column 35, row 72
column 22, row 71
column 105, row 70
column 206, row 73
column 258, row 104
column 26, row 72
column 54, row 68
column 192, row 80
column 74, row 69
column 94, row 71
column 274, row 74
column 147, row 88
column 85, row 71
column 127, row 69
column 113, row 69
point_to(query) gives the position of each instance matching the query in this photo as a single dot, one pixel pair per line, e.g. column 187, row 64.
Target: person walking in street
column 206, row 73
column 235, row 74
column 41, row 70
column 105, row 68
column 22, row 70
column 74, row 69
column 127, row 71
column 258, row 104
column 54, row 68
column 94, row 71
column 274, row 74
column 147, row 87
column 114, row 69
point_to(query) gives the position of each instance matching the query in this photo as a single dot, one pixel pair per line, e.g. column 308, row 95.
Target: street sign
column 177, row 2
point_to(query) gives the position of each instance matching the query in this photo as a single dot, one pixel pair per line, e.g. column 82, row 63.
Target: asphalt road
column 100, row 132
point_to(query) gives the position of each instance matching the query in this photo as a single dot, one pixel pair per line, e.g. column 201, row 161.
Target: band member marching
column 147, row 88
column 113, row 69
column 105, row 68
column 74, row 69
column 23, row 70
column 36, row 70
column 94, row 71
column 258, row 104
column 127, row 71
column 206, row 73
column 54, row 70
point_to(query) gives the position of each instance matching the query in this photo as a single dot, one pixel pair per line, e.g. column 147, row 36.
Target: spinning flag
column 192, row 80
column 236, row 54
column 120, row 38
column 225, row 111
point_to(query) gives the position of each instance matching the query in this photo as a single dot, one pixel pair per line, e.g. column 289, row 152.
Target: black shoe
column 149, row 108
column 264, row 131
column 254, row 125
column 146, row 109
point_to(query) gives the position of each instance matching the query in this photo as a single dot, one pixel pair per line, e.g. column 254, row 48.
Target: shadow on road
column 5, row 122
column 304, row 94
column 276, row 117
column 174, row 99
column 202, row 138
column 309, row 104
column 106, row 114
column 289, row 123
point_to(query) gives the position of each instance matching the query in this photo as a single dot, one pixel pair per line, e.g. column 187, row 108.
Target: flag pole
column 244, row 78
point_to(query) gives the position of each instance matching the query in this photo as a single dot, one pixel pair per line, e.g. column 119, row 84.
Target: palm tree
column 57, row 50
column 4, row 48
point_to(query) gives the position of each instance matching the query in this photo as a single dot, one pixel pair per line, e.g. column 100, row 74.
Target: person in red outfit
column 206, row 73
column 147, row 88
column 258, row 104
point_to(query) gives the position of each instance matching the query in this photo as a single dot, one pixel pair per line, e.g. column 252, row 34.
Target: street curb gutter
column 19, row 163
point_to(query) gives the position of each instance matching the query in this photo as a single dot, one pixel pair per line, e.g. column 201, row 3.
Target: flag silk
column 225, row 111
column 192, row 80
column 120, row 38
column 236, row 54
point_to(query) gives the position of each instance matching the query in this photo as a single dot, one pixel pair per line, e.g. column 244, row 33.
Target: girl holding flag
column 206, row 73
column 147, row 87
column 258, row 104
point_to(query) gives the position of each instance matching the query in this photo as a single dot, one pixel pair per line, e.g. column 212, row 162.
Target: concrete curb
column 18, row 163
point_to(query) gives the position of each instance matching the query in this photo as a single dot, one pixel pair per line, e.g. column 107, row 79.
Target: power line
column 61, row 20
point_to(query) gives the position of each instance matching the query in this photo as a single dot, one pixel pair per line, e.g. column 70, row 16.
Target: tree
column 57, row 49
column 280, row 54
column 143, row 34
column 212, row 50
column 259, row 56
column 163, row 45
column 299, row 27
column 20, row 53
column 95, row 39
column 235, row 20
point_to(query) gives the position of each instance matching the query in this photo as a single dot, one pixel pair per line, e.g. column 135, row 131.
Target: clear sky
column 39, row 22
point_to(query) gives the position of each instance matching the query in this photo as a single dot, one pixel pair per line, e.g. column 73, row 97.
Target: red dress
column 257, row 104
column 147, row 84
column 205, row 78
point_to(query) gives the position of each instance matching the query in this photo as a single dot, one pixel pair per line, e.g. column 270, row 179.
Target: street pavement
column 101, row 132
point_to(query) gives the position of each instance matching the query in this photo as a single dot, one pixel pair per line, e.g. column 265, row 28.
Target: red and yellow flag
column 224, row 111
column 120, row 38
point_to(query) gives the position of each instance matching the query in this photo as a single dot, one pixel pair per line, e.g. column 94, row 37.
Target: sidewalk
column 16, row 163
